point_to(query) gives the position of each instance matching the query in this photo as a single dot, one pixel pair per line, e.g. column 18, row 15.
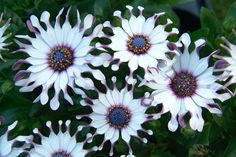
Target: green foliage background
column 218, row 138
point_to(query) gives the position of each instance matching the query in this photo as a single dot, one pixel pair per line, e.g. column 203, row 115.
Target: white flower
column 2, row 36
column 60, row 144
column 227, row 64
column 139, row 41
column 6, row 145
column 117, row 112
column 58, row 56
column 187, row 87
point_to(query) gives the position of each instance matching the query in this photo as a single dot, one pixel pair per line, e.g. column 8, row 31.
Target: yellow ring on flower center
column 139, row 44
column 60, row 58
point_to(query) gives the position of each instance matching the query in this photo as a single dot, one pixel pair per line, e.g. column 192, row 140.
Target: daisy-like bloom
column 2, row 36
column 227, row 64
column 58, row 56
column 139, row 41
column 7, row 148
column 117, row 112
column 187, row 87
column 61, row 144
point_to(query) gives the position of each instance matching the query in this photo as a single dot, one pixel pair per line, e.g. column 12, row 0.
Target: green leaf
column 37, row 3
column 231, row 148
column 209, row 20
column 230, row 19
column 200, row 33
column 6, row 86
column 159, row 153
column 204, row 138
column 101, row 7
column 7, row 64
column 173, row 2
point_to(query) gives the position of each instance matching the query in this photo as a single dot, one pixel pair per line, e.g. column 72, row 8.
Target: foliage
column 219, row 135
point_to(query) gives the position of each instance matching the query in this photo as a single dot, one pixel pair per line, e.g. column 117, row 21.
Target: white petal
column 126, row 27
column 98, row 123
column 133, row 22
column 202, row 66
column 99, row 108
column 103, row 129
column 184, row 60
column 118, row 44
column 109, row 97
column 159, row 37
column 120, row 33
column 133, row 63
column 196, row 121
column 163, row 97
column 128, row 96
column 36, row 61
column 140, row 21
column 158, row 51
column 88, row 21
column 206, row 77
column 194, row 60
column 124, row 56
column 37, row 68
column 173, row 123
column 103, row 100
column 115, row 136
column 148, row 26
column 63, row 79
column 206, row 93
column 109, row 133
column 205, row 103
column 125, row 135
column 116, row 96
column 143, row 61
column 185, row 38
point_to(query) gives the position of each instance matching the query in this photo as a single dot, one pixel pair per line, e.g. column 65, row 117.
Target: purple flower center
column 183, row 84
column 60, row 58
column 61, row 154
column 118, row 117
column 138, row 44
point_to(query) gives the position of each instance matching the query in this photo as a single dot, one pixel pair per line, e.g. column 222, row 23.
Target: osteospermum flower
column 227, row 64
column 7, row 148
column 60, row 144
column 117, row 112
column 187, row 87
column 58, row 56
column 2, row 36
column 139, row 41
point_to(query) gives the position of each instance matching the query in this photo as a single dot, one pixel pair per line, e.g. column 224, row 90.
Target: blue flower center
column 60, row 58
column 183, row 84
column 139, row 41
column 139, row 44
column 118, row 117
column 61, row 154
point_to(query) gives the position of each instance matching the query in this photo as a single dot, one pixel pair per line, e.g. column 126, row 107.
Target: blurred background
column 208, row 19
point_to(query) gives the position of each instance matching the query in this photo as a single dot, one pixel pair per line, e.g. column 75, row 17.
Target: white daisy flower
column 6, row 146
column 139, row 41
column 60, row 144
column 58, row 56
column 227, row 64
column 2, row 36
column 187, row 87
column 117, row 112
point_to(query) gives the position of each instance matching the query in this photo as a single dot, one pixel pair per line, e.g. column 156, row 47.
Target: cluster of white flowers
column 181, row 81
